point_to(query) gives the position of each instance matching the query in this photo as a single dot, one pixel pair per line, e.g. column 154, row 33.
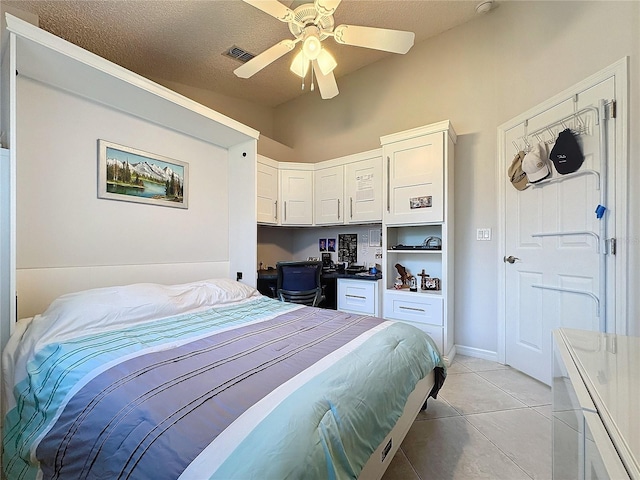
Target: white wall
column 479, row 76
column 251, row 114
column 288, row 244
column 60, row 221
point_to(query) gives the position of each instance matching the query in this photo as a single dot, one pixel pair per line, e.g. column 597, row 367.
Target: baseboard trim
column 477, row 353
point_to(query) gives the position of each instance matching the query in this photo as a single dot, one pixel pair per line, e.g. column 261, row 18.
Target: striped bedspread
column 253, row 389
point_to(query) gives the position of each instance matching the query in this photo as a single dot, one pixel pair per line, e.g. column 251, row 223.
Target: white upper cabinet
column 363, row 191
column 414, row 182
column 349, row 189
column 267, row 191
column 296, row 196
column 345, row 190
column 328, row 195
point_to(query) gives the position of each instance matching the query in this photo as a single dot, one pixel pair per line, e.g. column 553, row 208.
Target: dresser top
column 610, row 368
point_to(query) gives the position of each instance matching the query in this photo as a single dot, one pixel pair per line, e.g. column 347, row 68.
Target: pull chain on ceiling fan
column 310, row 24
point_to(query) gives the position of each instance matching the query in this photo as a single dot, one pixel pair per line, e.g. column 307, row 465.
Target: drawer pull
column 412, row 309
column 356, row 296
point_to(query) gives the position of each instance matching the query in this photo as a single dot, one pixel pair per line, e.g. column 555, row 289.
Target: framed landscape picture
column 132, row 175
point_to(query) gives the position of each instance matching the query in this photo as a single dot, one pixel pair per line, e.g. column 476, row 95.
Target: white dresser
column 596, row 388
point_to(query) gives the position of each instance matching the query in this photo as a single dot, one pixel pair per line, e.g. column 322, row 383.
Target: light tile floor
column 489, row 421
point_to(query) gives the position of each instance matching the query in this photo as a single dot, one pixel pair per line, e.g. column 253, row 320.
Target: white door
column 554, row 242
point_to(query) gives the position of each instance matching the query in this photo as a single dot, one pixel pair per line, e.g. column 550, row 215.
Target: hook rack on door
column 579, row 232
column 567, row 176
column 576, row 121
column 599, row 112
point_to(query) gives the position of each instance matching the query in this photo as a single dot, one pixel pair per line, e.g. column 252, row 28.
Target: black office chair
column 299, row 282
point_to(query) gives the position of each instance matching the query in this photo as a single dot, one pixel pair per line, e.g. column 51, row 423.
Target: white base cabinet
column 359, row 296
column 422, row 310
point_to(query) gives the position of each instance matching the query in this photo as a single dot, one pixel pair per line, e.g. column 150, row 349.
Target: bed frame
column 45, row 58
column 380, row 459
column 28, row 285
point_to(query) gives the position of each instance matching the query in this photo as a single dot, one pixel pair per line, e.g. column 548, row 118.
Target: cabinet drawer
column 357, row 296
column 420, row 309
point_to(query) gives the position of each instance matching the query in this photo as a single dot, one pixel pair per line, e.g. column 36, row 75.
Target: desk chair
column 299, row 282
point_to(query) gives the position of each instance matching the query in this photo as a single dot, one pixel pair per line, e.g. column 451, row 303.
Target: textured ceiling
column 183, row 41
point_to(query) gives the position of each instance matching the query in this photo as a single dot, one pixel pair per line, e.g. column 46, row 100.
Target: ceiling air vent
column 239, row 54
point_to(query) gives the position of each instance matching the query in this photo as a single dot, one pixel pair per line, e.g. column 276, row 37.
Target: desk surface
column 271, row 274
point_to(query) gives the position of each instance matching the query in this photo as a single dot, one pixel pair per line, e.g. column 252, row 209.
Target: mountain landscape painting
column 133, row 175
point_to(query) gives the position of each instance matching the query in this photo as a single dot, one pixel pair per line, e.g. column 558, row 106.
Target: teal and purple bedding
column 204, row 380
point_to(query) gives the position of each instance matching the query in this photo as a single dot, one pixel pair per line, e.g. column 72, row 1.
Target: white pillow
column 102, row 309
column 109, row 308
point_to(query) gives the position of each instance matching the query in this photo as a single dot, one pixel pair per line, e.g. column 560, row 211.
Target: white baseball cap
column 536, row 163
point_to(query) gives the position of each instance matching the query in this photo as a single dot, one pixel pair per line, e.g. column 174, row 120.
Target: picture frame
column 322, row 244
column 420, row 202
column 375, row 237
column 331, row 244
column 132, row 175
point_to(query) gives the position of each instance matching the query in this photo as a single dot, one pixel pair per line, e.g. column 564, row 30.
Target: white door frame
column 619, row 71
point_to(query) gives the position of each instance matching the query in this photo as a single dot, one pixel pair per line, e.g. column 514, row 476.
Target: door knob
column 511, row 259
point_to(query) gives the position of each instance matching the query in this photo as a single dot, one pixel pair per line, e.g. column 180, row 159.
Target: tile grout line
column 524, row 407
column 492, row 443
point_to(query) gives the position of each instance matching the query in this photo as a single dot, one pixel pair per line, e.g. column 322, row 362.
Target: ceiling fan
column 311, row 23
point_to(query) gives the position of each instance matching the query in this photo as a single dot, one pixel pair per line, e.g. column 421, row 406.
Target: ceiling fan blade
column 326, row 7
column 273, row 8
column 396, row 41
column 270, row 55
column 326, row 83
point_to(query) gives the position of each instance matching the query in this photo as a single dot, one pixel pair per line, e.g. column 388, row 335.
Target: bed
column 208, row 379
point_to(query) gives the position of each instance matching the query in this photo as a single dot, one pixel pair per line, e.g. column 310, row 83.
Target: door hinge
column 612, row 108
column 612, row 246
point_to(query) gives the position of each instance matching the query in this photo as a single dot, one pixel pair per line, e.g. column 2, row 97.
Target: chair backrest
column 299, row 282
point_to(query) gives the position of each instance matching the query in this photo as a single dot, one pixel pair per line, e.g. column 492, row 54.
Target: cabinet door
column 328, row 193
column 363, row 191
column 415, row 180
column 296, row 197
column 267, row 195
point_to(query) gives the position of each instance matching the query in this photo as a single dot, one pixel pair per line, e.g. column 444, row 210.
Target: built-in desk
column 267, row 280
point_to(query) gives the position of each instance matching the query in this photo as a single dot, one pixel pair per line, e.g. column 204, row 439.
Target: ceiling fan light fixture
column 300, row 65
column 311, row 45
column 326, row 62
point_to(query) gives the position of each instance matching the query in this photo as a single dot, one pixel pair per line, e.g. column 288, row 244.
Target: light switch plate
column 483, row 234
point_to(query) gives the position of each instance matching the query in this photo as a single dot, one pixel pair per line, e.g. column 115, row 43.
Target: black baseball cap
column 566, row 154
